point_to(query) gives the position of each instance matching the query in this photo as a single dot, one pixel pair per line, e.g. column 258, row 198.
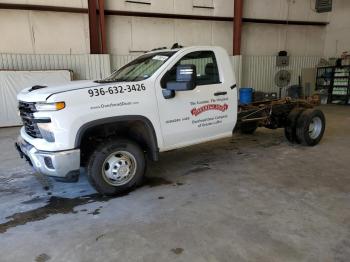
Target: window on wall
column 206, row 66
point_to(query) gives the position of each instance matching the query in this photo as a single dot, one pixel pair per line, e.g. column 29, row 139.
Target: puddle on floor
column 34, row 200
column 62, row 205
column 55, row 205
column 95, row 212
column 156, row 181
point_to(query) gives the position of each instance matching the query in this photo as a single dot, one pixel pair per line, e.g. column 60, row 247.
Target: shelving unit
column 334, row 81
column 324, row 81
column 341, row 85
column 324, row 77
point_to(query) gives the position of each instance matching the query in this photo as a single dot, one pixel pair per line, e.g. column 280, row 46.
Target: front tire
column 310, row 127
column 116, row 167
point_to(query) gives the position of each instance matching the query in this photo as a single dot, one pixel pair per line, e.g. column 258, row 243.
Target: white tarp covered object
column 12, row 82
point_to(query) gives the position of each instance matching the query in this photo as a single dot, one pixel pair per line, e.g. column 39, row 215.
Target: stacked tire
column 305, row 126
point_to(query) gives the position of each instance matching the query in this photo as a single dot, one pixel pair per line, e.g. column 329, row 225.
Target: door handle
column 220, row 93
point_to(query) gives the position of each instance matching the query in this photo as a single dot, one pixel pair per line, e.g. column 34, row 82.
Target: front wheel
column 310, row 127
column 116, row 167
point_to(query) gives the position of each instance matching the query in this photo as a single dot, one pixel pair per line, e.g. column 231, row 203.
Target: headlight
column 46, row 131
column 50, row 106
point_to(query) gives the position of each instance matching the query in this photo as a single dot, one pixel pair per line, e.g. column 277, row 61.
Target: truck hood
column 31, row 94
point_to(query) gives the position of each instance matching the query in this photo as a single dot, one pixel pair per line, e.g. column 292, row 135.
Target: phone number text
column 116, row 90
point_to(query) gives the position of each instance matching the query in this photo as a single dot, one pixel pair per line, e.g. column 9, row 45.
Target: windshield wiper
column 103, row 81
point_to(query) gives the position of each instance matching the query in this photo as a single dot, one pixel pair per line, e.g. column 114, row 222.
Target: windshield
column 141, row 68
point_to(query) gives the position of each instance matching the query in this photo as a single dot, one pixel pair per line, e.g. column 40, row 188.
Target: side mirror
column 185, row 78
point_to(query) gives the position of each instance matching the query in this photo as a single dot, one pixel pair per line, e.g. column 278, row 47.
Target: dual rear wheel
column 305, row 127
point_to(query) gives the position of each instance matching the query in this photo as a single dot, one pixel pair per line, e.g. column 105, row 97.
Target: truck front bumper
column 61, row 164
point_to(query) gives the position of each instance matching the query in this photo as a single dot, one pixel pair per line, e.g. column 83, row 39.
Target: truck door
column 208, row 111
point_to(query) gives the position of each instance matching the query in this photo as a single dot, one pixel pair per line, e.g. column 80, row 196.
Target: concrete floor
column 249, row 198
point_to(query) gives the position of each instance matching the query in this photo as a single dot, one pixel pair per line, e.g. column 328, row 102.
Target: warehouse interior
column 248, row 197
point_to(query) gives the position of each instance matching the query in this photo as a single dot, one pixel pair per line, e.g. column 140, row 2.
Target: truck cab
column 163, row 100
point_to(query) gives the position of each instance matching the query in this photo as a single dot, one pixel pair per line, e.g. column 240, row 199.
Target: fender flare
column 153, row 143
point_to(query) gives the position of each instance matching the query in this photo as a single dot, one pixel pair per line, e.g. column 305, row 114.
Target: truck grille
column 26, row 111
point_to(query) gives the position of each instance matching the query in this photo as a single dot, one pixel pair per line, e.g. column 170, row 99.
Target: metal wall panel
column 259, row 71
column 83, row 66
column 236, row 62
column 98, row 66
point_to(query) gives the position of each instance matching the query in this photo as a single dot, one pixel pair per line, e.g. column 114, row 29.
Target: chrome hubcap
column 119, row 168
column 315, row 127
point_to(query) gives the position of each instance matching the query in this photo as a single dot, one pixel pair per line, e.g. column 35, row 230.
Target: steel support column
column 101, row 9
column 237, row 26
column 93, row 27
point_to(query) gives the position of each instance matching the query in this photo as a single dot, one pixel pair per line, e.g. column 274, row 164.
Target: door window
column 205, row 62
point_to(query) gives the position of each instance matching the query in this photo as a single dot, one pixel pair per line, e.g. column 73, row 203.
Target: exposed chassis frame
column 271, row 114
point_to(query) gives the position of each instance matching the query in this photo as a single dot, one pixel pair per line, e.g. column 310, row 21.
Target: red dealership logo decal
column 199, row 110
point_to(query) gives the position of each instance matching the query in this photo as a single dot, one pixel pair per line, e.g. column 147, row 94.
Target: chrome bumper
column 62, row 164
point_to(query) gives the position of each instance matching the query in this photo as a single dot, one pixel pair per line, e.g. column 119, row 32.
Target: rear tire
column 291, row 125
column 310, row 127
column 116, row 167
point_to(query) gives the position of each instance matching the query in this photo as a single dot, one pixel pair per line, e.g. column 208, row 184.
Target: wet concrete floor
column 247, row 198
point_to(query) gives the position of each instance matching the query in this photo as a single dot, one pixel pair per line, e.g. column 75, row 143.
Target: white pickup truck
column 163, row 100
